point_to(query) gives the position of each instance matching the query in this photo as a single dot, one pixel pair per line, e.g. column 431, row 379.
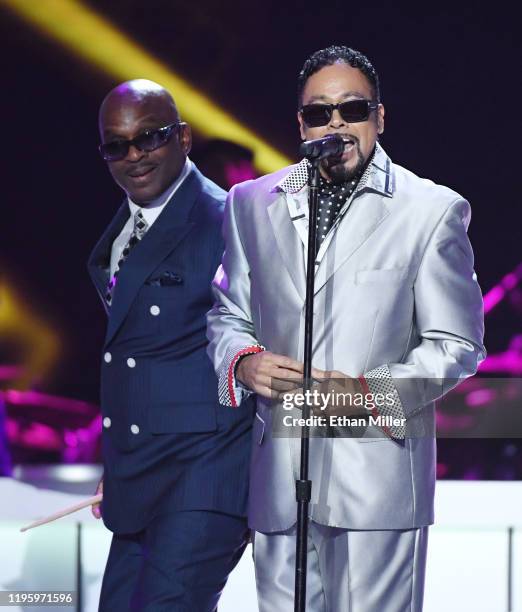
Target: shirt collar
column 378, row 175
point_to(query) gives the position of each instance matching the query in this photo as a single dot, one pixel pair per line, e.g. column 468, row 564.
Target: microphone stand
column 303, row 486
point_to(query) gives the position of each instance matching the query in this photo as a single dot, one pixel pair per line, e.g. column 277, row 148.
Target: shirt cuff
column 379, row 380
column 231, row 391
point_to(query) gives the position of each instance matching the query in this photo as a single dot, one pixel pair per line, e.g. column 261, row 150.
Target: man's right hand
column 268, row 374
column 96, row 508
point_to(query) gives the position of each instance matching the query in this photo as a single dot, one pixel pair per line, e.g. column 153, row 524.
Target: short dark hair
column 331, row 55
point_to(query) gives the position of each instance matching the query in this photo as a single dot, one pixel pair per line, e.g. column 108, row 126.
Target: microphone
column 332, row 145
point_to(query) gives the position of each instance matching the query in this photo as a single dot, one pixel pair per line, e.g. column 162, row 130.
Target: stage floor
column 474, row 558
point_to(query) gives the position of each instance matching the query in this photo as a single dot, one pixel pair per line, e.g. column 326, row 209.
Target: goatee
column 337, row 172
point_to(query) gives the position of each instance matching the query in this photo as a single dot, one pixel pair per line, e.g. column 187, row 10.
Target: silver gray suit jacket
column 395, row 291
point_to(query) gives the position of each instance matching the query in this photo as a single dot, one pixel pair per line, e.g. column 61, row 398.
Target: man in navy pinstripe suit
column 175, row 461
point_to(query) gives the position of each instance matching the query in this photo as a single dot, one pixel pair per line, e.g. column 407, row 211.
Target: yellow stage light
column 95, row 39
column 35, row 343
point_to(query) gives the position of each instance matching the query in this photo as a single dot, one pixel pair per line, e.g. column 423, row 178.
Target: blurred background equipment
column 225, row 162
column 49, row 429
column 5, row 458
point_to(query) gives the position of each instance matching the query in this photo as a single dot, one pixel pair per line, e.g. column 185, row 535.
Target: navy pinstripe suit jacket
column 167, row 442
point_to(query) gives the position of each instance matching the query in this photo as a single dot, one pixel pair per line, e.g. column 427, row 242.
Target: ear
column 185, row 137
column 380, row 119
column 301, row 126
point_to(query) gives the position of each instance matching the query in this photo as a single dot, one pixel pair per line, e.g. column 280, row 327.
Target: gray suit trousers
column 348, row 570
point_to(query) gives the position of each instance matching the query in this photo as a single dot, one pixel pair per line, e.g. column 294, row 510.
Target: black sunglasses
column 149, row 140
column 352, row 111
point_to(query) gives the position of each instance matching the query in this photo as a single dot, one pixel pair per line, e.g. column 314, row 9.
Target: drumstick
column 95, row 499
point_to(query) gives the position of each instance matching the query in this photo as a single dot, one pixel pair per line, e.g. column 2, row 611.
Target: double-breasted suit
column 168, row 445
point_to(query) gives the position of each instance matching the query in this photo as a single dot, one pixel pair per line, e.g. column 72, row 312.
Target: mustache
column 138, row 170
column 351, row 137
column 335, row 160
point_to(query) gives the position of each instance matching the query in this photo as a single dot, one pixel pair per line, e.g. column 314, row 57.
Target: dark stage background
column 450, row 85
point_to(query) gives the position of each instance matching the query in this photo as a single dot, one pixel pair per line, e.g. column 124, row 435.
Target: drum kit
column 44, row 428
column 479, row 424
column 490, row 405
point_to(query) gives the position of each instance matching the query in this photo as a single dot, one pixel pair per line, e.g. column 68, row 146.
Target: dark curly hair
column 331, row 55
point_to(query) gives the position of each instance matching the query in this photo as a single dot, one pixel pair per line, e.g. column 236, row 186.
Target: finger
column 275, row 385
column 264, row 391
column 322, row 374
column 262, row 380
column 96, row 508
column 284, row 385
column 338, row 375
column 287, row 363
column 278, row 372
column 288, row 382
column 96, row 511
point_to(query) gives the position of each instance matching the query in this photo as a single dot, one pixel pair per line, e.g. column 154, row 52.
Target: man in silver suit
column 397, row 311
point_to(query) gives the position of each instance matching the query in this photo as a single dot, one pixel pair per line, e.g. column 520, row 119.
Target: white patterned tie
column 140, row 228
